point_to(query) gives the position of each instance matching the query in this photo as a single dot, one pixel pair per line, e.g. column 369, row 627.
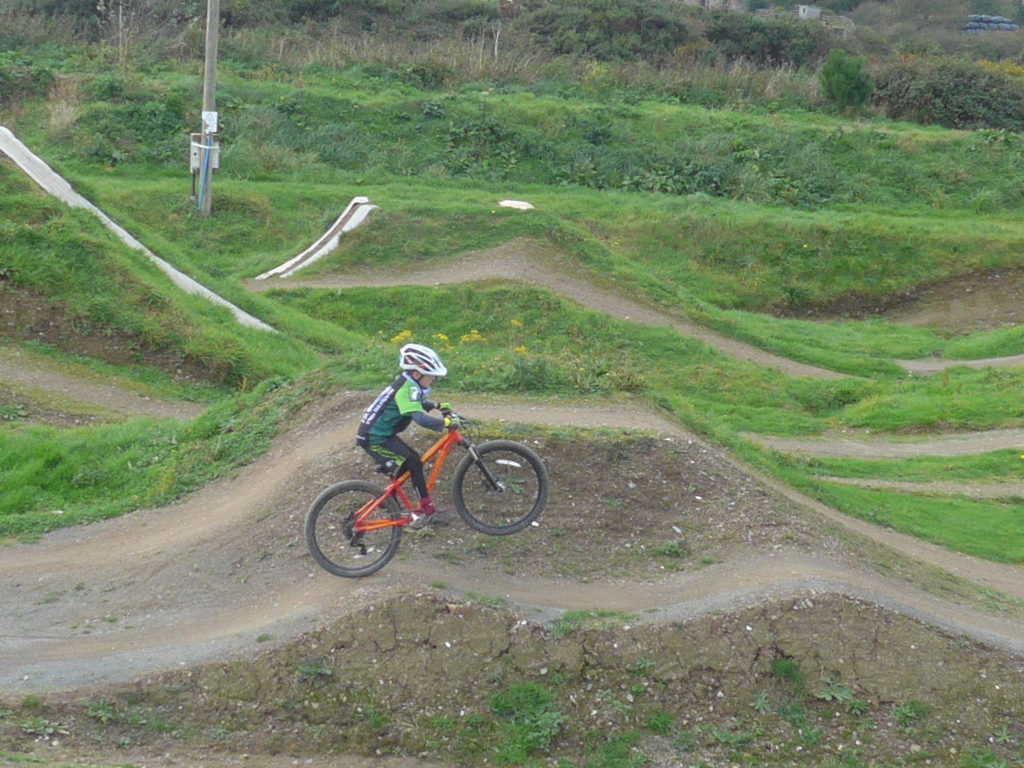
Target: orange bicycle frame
column 437, row 453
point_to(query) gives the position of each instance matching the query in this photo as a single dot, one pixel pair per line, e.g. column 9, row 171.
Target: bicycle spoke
column 334, row 540
column 503, row 490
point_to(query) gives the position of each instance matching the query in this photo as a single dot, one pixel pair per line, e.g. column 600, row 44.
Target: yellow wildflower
column 472, row 337
column 516, row 323
column 521, row 350
column 440, row 337
column 402, row 337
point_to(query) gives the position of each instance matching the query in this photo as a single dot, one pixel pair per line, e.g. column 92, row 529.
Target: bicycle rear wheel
column 332, row 542
column 502, row 491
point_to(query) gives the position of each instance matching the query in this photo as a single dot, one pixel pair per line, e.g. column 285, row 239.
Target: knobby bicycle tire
column 503, row 491
column 333, row 544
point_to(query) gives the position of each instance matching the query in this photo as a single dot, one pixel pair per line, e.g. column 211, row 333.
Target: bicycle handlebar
column 455, row 417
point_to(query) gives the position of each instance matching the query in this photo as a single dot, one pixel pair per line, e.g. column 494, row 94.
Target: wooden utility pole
column 208, row 151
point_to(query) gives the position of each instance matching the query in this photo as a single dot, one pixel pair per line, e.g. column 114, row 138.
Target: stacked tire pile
column 982, row 23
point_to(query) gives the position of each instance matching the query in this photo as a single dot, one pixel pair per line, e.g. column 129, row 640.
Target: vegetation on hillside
column 710, row 164
column 747, row 173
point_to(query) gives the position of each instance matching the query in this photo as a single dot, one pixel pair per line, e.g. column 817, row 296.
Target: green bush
column 768, row 42
column 137, row 123
column 845, row 79
column 418, row 19
column 20, row 77
column 951, row 93
column 611, row 29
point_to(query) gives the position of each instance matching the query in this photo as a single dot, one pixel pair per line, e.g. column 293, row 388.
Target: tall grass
column 510, row 59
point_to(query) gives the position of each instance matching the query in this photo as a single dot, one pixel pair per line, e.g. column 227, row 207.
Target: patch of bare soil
column 860, row 445
column 979, row 301
column 27, row 316
column 796, row 681
column 36, row 389
column 1005, row 491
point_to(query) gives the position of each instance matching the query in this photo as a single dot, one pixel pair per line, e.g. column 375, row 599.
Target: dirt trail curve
column 938, row 487
column 213, row 574
column 27, row 373
column 843, row 446
column 532, row 262
column 535, row 262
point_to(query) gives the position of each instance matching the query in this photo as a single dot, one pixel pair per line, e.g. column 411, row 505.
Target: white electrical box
column 197, row 154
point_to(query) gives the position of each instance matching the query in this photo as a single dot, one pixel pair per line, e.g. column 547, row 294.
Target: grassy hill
column 735, row 210
column 708, row 189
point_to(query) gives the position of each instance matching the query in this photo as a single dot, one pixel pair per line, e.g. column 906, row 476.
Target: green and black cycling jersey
column 399, row 403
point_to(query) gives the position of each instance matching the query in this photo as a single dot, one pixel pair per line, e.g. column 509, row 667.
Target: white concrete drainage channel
column 353, row 215
column 57, row 186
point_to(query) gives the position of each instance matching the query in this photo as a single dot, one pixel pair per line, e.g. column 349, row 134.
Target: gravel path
column 210, row 576
column 21, row 371
column 207, row 578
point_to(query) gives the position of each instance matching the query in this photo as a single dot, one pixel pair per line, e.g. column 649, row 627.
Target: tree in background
column 845, row 80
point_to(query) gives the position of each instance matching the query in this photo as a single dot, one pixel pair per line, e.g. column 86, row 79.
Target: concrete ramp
column 354, row 215
column 54, row 184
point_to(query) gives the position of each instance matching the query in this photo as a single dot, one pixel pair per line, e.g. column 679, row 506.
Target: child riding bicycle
column 402, row 401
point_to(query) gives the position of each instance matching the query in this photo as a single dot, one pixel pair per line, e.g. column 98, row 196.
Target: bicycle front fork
column 492, row 481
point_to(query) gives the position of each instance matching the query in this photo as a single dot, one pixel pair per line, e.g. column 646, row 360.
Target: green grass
column 713, row 215
column 985, row 467
column 519, row 348
column 528, row 721
column 50, row 478
column 106, row 289
column 989, row 530
column 572, row 621
column 421, row 221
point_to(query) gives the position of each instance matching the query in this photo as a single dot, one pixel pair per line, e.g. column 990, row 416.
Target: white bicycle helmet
column 416, row 357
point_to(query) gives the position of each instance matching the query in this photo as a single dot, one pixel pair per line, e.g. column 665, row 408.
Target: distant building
column 720, row 5
column 808, row 12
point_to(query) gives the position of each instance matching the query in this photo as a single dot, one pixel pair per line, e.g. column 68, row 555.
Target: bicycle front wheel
column 330, row 534
column 501, row 488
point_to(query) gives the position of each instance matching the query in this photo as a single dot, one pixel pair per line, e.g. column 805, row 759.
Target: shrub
column 845, row 80
column 768, row 42
column 20, row 77
column 951, row 93
column 611, row 29
column 416, row 19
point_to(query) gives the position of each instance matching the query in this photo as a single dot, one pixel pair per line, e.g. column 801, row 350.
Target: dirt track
column 208, row 577
column 20, row 372
column 534, row 262
column 224, row 572
column 212, row 575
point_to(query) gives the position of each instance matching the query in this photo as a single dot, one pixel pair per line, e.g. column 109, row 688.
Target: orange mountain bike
column 499, row 487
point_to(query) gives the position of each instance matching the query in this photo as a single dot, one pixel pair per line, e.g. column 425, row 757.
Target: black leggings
column 396, row 453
